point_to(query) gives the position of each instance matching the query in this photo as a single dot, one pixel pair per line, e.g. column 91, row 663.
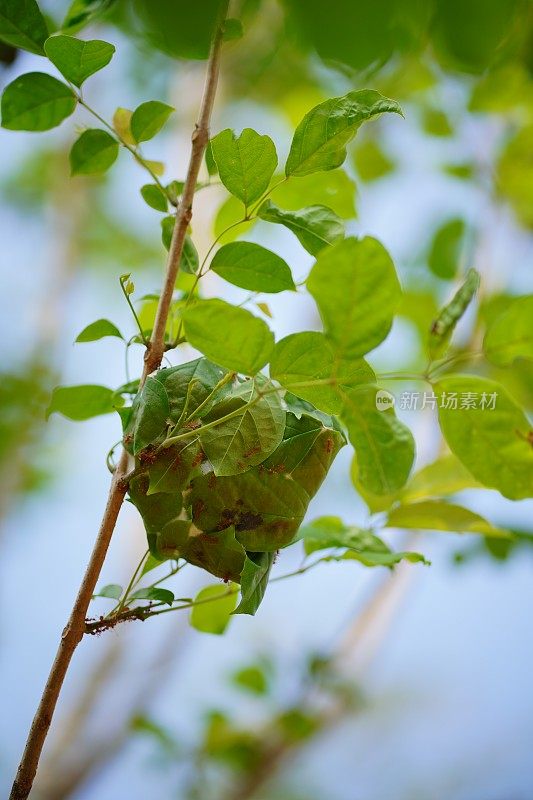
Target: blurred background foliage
column 463, row 72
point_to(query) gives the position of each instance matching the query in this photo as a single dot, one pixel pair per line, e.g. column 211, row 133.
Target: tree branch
column 75, row 628
column 200, row 138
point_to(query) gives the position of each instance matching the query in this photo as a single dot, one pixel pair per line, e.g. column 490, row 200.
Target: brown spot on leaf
column 176, row 463
column 227, row 518
column 252, row 451
column 199, row 457
column 242, row 520
column 198, row 507
column 248, row 521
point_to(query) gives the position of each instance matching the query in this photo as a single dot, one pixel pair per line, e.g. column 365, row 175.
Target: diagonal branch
column 200, row 138
column 75, row 627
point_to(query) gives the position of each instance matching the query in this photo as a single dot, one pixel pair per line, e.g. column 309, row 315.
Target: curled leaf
column 444, row 325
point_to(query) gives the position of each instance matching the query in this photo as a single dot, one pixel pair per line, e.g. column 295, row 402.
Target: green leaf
column 93, row 153
column 154, row 593
column 307, row 433
column 374, row 502
column 315, row 226
column 265, row 308
column 189, row 261
column 436, row 123
column 444, row 326
column 330, row 532
column 435, row 515
column 150, row 564
column 445, row 251
column 373, row 558
column 36, row 102
column 502, row 89
column 306, row 364
column 112, row 590
column 157, row 733
column 334, row 189
column 98, row 330
column 510, row 336
column 219, row 553
column 172, row 468
column 443, row 477
column 77, row 60
column 464, row 171
column 252, row 267
column 385, row 446
column 488, row 432
column 82, row 12
column 157, row 167
column 514, row 174
column 254, row 581
column 252, row 679
column 171, row 537
column 169, row 32
column 148, row 119
column 154, row 197
column 231, row 29
column 166, row 532
column 167, row 229
column 210, row 164
column 371, row 162
column 196, row 379
column 216, row 604
column 229, row 336
column 267, row 503
column 248, row 439
column 420, row 308
column 82, row 402
column 175, row 190
column 320, row 140
column 151, row 410
column 245, row 163
column 162, row 399
column 357, row 292
column 23, row 25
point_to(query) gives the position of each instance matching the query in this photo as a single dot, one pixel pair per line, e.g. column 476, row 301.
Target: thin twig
column 75, row 628
column 133, row 150
column 97, row 626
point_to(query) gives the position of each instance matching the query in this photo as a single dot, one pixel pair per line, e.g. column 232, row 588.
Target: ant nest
column 224, row 466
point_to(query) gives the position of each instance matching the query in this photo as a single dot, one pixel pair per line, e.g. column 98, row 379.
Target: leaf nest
column 240, row 474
